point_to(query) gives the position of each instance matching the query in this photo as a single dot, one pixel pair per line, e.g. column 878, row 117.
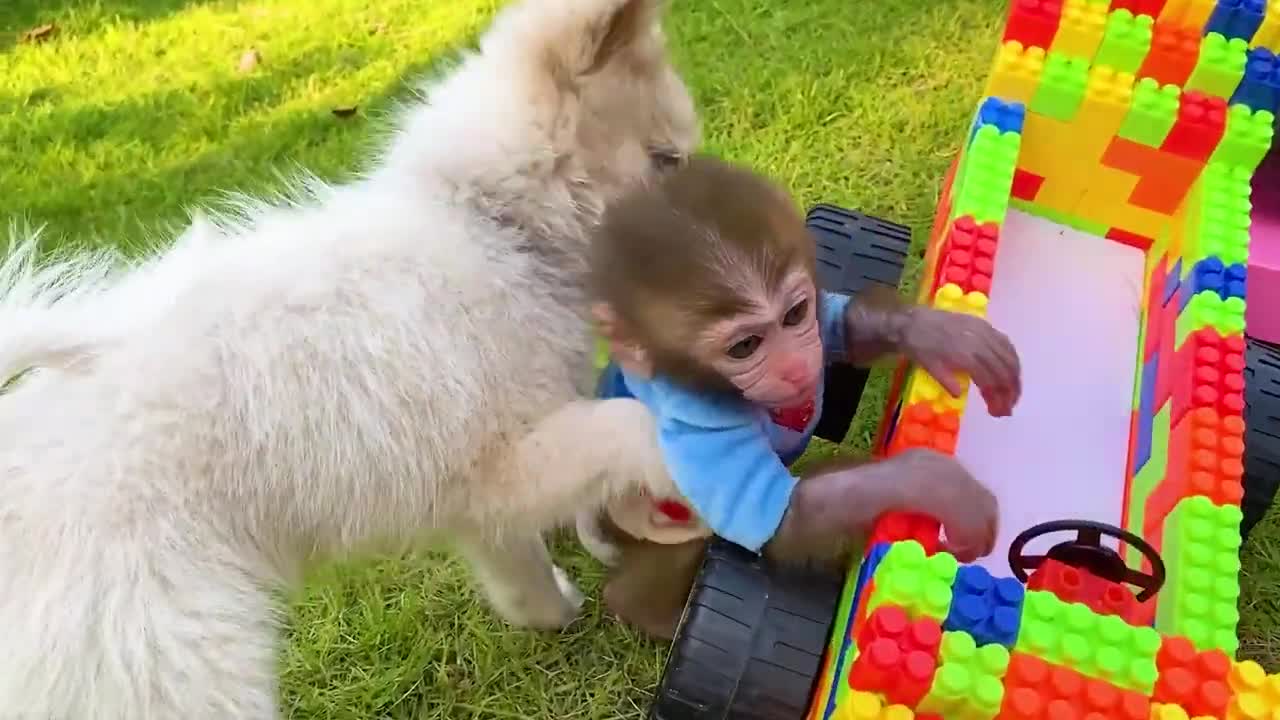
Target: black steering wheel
column 1087, row 553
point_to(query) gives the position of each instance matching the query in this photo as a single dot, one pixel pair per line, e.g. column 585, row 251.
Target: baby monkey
column 705, row 288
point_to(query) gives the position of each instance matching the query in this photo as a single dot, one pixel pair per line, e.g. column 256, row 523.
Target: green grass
column 134, row 111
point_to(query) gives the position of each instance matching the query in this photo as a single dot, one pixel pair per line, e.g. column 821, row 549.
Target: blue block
column 1237, row 277
column 1172, row 282
column 1146, row 412
column 1005, row 116
column 1237, row 18
column 1211, row 274
column 1260, row 87
column 989, row 609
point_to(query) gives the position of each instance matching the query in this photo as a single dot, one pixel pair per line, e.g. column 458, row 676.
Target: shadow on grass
column 19, row 16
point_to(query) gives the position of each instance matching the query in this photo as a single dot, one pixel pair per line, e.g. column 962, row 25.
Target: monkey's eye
column 665, row 160
column 745, row 347
column 796, row 314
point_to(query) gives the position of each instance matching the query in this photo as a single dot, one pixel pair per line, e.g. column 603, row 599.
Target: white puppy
column 373, row 363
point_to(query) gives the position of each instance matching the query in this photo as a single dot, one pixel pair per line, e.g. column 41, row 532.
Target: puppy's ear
column 572, row 38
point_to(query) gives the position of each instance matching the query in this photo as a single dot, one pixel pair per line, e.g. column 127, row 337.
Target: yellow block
column 1161, row 711
column 1015, row 73
column 1061, row 192
column 1188, row 13
column 1268, row 36
column 1081, row 28
column 922, row 388
column 859, row 705
column 1106, row 102
column 1043, row 150
column 953, row 299
column 1256, row 694
column 1106, row 201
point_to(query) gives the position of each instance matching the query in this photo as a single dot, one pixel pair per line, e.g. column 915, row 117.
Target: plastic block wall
column 1141, row 121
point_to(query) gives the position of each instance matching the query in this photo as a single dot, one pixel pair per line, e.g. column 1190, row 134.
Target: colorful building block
column 1037, row 689
column 1220, row 67
column 1199, row 125
column 1193, row 680
column 1033, row 22
column 1015, row 72
column 1071, row 585
column 953, row 298
column 1081, row 28
column 986, row 175
column 1259, row 89
column 1255, row 694
column 898, row 656
column 860, row 705
column 1216, row 223
column 1212, row 274
column 1201, row 544
column 922, row 389
column 1268, row 35
column 968, row 683
column 1062, row 86
column 1248, row 137
column 986, row 608
column 1107, row 100
column 1237, row 18
column 921, row 426
column 1126, row 41
column 1152, row 113
column 1208, row 309
column 1190, row 13
column 1098, row 646
column 968, row 255
column 1175, row 50
column 1005, row 116
column 1208, row 373
column 917, row 582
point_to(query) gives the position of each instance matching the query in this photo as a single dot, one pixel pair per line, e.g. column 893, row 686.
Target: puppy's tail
column 45, row 305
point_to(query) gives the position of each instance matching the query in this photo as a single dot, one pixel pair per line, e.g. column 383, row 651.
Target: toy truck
column 1099, row 213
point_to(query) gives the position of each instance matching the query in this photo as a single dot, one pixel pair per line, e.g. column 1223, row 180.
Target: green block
column 1202, row 556
column 1220, row 68
column 1247, row 139
column 985, row 179
column 1218, row 223
column 1104, row 647
column 1152, row 113
column 919, row 584
column 1062, row 86
column 969, row 681
column 1146, row 479
column 1208, row 309
column 1125, row 42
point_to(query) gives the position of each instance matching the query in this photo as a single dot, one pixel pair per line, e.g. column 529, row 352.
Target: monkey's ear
column 624, row 350
column 572, row 38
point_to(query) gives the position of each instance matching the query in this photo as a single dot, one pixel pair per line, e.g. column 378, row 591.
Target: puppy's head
column 616, row 111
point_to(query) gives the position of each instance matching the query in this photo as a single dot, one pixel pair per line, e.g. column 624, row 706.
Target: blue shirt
column 728, row 457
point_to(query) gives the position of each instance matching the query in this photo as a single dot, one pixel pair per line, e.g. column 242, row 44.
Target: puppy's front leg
column 522, row 584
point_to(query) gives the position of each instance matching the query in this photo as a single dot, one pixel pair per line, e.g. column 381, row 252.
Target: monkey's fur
column 361, row 367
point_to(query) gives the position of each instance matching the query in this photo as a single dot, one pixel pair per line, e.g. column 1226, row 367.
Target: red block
column 1196, row 681
column 1208, row 372
column 1140, row 7
column 1037, row 690
column 1173, row 55
column 897, row 658
column 1034, row 23
column 1134, row 240
column 1168, row 370
column 1075, row 586
column 1154, row 306
column 1198, row 128
column 968, row 256
column 1026, row 185
column 898, row 526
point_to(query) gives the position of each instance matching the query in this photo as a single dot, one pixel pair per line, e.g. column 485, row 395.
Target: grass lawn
column 131, row 111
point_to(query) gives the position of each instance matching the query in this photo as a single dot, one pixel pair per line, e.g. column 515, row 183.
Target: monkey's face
column 772, row 350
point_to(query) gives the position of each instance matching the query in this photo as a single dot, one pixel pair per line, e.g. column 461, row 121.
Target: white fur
column 362, row 366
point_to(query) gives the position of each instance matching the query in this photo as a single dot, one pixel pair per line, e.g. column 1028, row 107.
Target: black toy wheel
column 1262, row 441
column 1088, row 553
column 751, row 642
column 855, row 252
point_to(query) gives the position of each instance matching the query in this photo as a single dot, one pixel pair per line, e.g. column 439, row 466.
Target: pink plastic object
column 1262, row 313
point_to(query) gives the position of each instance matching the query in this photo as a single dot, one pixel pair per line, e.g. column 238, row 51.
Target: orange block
column 1164, row 179
column 1196, row 681
column 921, row 426
column 1175, row 48
column 1206, row 458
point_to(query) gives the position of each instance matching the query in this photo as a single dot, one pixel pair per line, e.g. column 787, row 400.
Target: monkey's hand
column 845, row 503
column 946, row 343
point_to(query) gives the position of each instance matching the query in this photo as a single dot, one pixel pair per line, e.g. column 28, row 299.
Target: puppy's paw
column 594, row 541
column 553, row 609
